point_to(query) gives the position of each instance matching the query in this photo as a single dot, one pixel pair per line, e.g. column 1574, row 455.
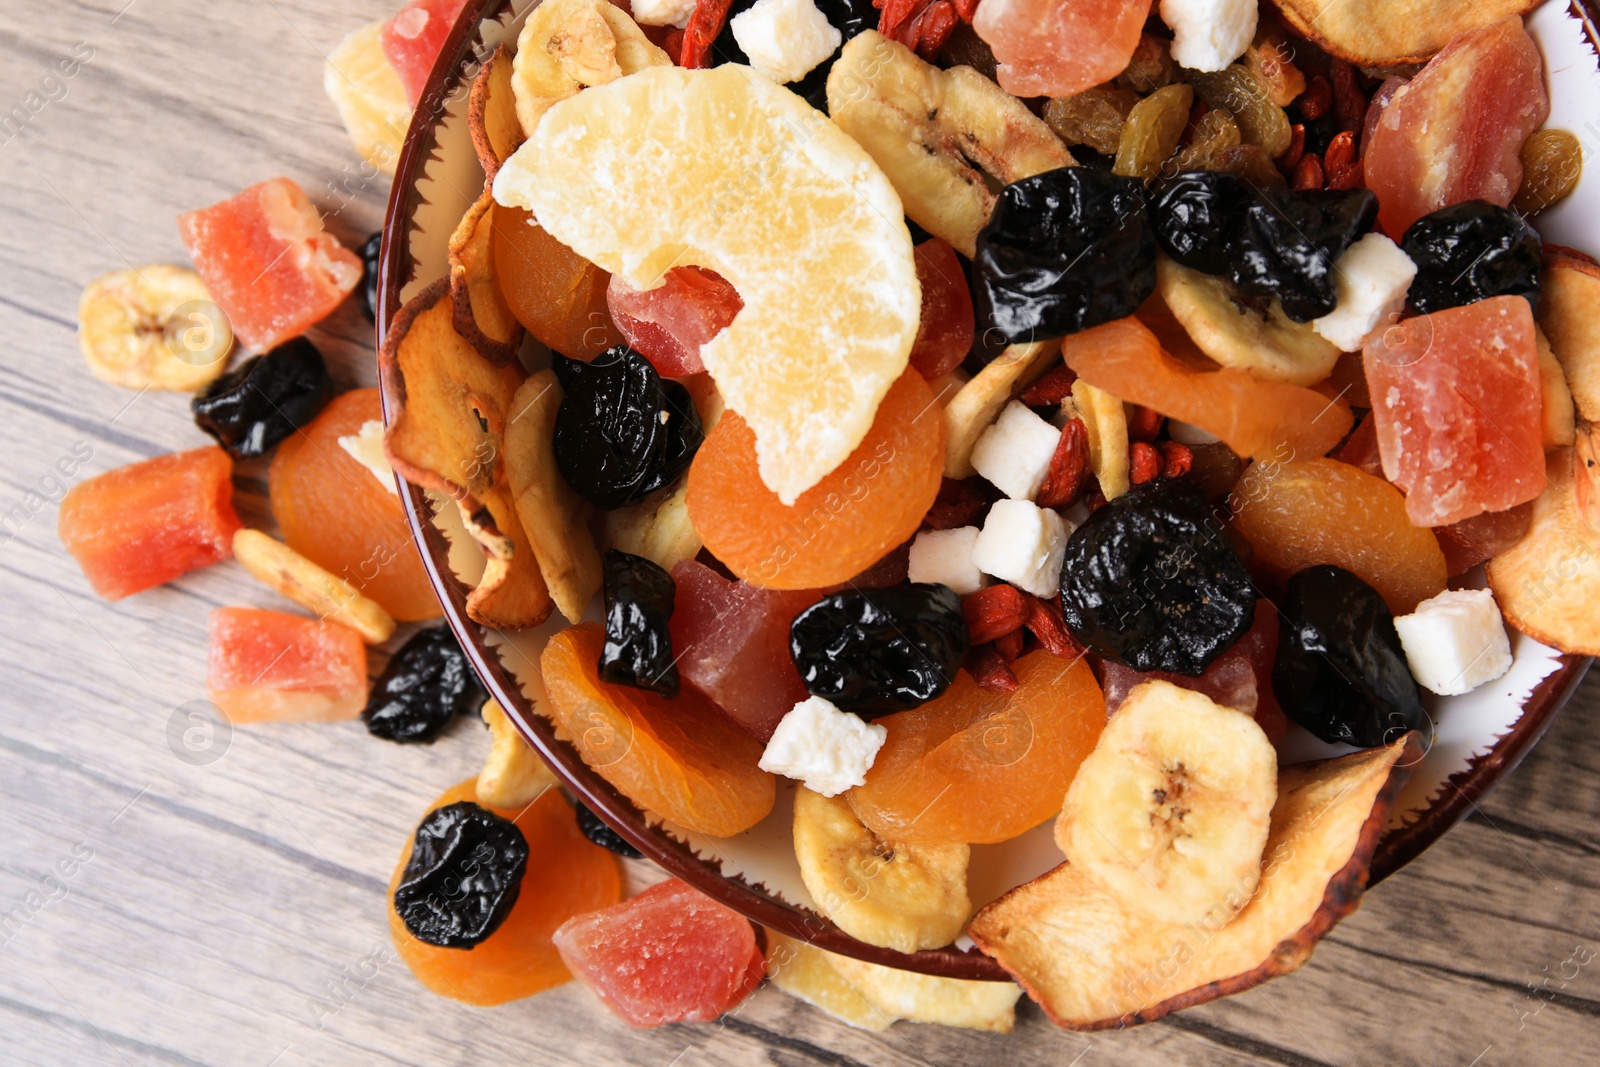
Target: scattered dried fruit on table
column 254, row 407
column 370, row 96
column 872, row 651
column 1056, row 47
column 267, row 666
column 482, row 314
column 1552, row 163
column 442, row 906
column 296, row 578
column 669, row 324
column 595, row 829
column 367, row 291
column 559, row 296
column 425, row 685
column 513, row 775
column 567, row 45
column 1471, row 251
column 926, row 998
column 807, row 972
column 413, row 39
column 153, row 327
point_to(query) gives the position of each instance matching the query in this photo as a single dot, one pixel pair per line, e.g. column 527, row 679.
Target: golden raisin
column 1552, row 160
column 1152, row 131
column 1270, row 59
column 1261, row 122
column 1151, row 66
column 1094, row 117
column 1214, row 133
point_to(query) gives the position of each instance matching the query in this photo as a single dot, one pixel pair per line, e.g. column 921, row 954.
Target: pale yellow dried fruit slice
column 806, row 972
column 327, row 596
column 1093, row 964
column 1548, row 584
column 927, row 998
column 1170, row 811
column 568, row 45
column 977, row 403
column 1106, row 419
column 1569, row 293
column 482, row 315
column 943, row 137
column 658, row 527
column 1558, row 418
column 513, row 776
column 722, row 169
column 153, row 327
column 1377, row 33
column 371, row 99
column 886, row 893
column 555, row 517
column 492, row 113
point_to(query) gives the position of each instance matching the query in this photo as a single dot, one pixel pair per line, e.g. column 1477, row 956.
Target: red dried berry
column 1349, row 102
column 1144, row 424
column 1341, row 152
column 1308, row 175
column 990, row 670
column 704, row 25
column 959, row 503
column 1069, row 468
column 1144, row 463
column 1297, row 148
column 1009, row 645
column 1177, row 459
column 933, row 28
column 993, row 612
column 1350, row 176
column 1046, row 623
column 1317, row 99
column 1053, row 388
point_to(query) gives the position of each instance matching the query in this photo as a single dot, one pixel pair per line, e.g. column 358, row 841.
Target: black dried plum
column 621, row 432
column 1064, row 250
column 873, row 651
column 1291, row 241
column 1198, row 218
column 638, row 647
column 259, row 403
column 1341, row 671
column 1471, row 251
column 367, row 291
column 463, row 876
column 596, row 830
column 1150, row 581
column 427, row 683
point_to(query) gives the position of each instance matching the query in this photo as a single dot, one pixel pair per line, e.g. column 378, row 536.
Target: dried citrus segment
column 371, row 99
column 680, row 758
column 296, row 578
column 788, row 209
column 869, row 504
column 568, row 44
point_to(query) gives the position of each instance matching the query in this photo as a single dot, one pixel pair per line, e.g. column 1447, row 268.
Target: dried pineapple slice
column 371, row 99
column 787, row 208
column 567, row 45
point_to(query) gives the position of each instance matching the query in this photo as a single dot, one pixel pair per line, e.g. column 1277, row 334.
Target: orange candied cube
column 269, row 666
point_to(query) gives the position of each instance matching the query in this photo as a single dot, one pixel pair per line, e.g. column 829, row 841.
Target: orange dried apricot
column 681, row 758
column 1322, row 511
column 337, row 515
column 557, row 294
column 871, row 503
column 977, row 766
column 567, row 875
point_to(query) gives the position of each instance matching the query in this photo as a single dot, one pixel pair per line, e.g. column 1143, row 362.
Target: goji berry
column 1069, row 468
column 1046, row 623
column 933, row 28
column 1143, row 423
column 1177, row 459
column 704, row 25
column 1144, row 463
column 1009, row 645
column 1053, row 388
column 1095, row 500
column 1349, row 102
column 993, row 612
column 1297, row 148
column 1352, row 175
column 1341, row 152
column 1317, row 99
column 990, row 670
column 959, row 503
column 1308, row 175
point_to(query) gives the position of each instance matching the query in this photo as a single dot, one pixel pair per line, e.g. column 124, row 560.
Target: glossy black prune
column 873, row 651
column 368, row 289
column 595, row 829
column 463, row 876
column 253, row 407
column 1198, row 217
column 638, row 647
column 1341, row 671
column 1064, row 250
column 426, row 684
column 1471, row 251
column 1291, row 241
column 621, row 432
column 1150, row 581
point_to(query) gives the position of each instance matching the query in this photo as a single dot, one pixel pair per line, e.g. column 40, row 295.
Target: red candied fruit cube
column 268, row 262
column 1457, row 405
column 668, row 324
column 145, row 524
column 948, row 325
column 413, row 39
column 669, row 955
column 269, row 666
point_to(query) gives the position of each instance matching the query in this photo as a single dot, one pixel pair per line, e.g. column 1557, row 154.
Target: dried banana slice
column 482, row 315
column 806, row 972
column 513, row 776
column 926, row 998
column 1245, row 335
column 567, row 45
column 1171, row 810
column 886, row 893
column 371, row 99
column 327, row 596
column 153, row 327
column 942, row 136
column 1107, row 422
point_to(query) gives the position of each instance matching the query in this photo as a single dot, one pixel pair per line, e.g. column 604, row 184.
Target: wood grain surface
column 227, row 907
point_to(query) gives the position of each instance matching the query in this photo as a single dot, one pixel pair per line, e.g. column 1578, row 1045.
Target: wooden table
column 228, row 908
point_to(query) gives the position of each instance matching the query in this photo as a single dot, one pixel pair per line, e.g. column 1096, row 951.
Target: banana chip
column 567, row 45
column 926, row 998
column 296, row 578
column 1109, row 452
column 492, row 113
column 1380, row 33
column 482, row 315
column 807, row 973
column 153, row 327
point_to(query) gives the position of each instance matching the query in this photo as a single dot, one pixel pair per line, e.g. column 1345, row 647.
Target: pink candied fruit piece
column 268, row 263
column 1455, row 131
column 668, row 324
column 269, row 666
column 1457, row 404
column 1059, row 47
column 143, row 525
column 669, row 955
column 945, row 336
column 413, row 39
column 732, row 644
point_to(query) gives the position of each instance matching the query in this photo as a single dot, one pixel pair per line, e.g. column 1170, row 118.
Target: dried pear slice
column 977, row 403
column 327, row 596
column 1092, row 964
column 449, row 411
column 492, row 113
column 1247, row 335
column 1569, row 293
column 940, row 135
column 1380, row 33
column 482, row 315
column 567, row 45
column 1548, row 583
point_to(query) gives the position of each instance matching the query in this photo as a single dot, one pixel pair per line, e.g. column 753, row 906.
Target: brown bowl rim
column 1397, row 848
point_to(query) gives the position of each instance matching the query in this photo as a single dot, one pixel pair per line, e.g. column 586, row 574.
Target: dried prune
column 1064, row 250
column 427, row 682
column 1291, row 241
column 367, row 291
column 638, row 648
column 1341, row 671
column 1470, row 251
column 595, row 829
column 253, row 407
column 1198, row 218
column 621, row 432
column 463, row 876
column 873, row 651
column 1150, row 580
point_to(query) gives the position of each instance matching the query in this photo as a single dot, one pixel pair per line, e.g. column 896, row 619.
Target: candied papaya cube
column 413, row 39
column 269, row 666
column 1458, row 404
column 268, row 262
column 145, row 524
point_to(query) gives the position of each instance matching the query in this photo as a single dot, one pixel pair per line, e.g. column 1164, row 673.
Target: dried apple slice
column 1092, row 964
column 1557, row 421
column 1377, row 33
column 492, row 113
column 482, row 315
column 1569, row 293
column 449, row 407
